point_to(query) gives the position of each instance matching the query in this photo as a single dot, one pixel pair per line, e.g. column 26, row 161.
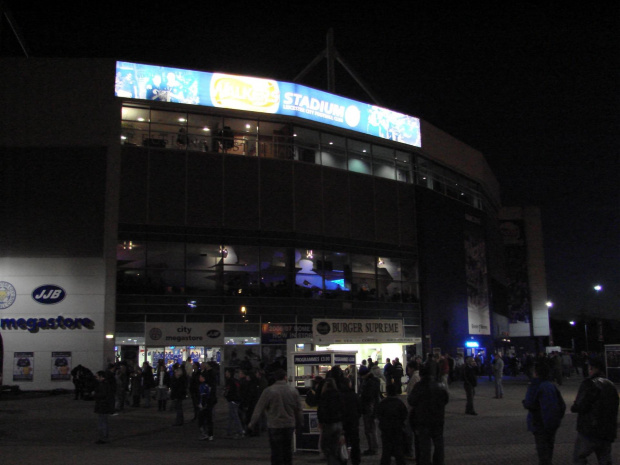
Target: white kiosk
column 306, row 366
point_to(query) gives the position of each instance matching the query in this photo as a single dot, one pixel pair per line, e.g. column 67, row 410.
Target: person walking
column 428, row 400
column 370, row 396
column 546, row 409
column 104, row 405
column 392, row 414
column 597, row 423
column 397, row 375
column 470, row 381
column 194, row 389
column 178, row 392
column 281, row 404
column 148, row 383
column 233, row 397
column 208, row 399
column 163, row 384
column 351, row 418
column 330, row 414
column 411, row 441
column 498, row 374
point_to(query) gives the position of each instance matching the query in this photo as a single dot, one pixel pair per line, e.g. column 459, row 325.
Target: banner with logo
column 61, row 366
column 23, row 366
column 279, row 333
column 183, row 334
column 333, row 331
column 142, row 81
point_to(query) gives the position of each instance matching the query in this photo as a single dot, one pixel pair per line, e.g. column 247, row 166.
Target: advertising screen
column 149, row 82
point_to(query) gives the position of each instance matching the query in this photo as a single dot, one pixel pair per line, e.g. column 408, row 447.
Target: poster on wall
column 23, row 366
column 478, row 311
column 513, row 237
column 61, row 366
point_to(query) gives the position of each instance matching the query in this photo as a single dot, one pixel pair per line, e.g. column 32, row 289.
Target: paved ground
column 40, row 428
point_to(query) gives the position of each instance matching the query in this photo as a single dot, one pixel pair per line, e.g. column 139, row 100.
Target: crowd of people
column 410, row 425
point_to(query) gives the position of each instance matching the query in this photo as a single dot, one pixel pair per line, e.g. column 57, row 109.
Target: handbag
column 343, row 451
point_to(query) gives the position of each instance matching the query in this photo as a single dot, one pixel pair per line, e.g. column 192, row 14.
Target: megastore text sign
column 148, row 82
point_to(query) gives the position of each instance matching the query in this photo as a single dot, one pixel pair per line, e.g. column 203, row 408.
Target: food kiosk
column 306, row 367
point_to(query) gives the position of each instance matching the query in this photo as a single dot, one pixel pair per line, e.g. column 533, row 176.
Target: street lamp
column 585, row 327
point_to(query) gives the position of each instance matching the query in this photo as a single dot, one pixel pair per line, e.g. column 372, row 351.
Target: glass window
column 409, row 278
column 359, row 156
column 130, row 254
column 239, row 136
column 201, row 129
column 274, row 272
column 135, row 125
column 333, row 151
column 306, row 145
column 165, row 255
column 337, row 272
column 240, row 273
column 131, row 282
column 162, row 281
column 403, row 166
column 363, row 282
column 389, row 279
column 202, row 256
column 168, row 129
column 275, row 140
column 206, row 282
column 383, row 162
column 309, row 265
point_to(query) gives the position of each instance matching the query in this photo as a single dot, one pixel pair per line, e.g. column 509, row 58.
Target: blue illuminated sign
column 159, row 83
column 471, row 344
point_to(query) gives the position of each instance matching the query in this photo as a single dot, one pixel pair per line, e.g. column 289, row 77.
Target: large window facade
column 157, row 129
column 235, row 270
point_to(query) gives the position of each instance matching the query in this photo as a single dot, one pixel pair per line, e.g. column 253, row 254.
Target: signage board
column 160, row 83
column 342, row 331
column 183, row 334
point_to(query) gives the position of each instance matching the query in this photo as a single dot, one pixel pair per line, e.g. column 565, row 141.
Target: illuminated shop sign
column 159, row 83
column 183, row 334
column 330, row 331
column 33, row 325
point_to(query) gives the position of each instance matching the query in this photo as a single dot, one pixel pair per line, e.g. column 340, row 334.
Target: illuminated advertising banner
column 148, row 82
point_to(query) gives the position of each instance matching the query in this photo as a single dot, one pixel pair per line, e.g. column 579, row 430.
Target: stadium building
column 156, row 212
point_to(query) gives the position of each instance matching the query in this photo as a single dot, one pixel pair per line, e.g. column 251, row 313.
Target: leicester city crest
column 7, row 295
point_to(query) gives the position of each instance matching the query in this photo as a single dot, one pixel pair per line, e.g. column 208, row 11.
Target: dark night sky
column 535, row 88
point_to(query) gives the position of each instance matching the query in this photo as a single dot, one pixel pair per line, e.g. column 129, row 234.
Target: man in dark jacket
column 597, row 423
column 370, row 396
column 428, row 401
column 351, row 418
column 104, row 405
column 470, row 381
column 392, row 413
column 546, row 410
